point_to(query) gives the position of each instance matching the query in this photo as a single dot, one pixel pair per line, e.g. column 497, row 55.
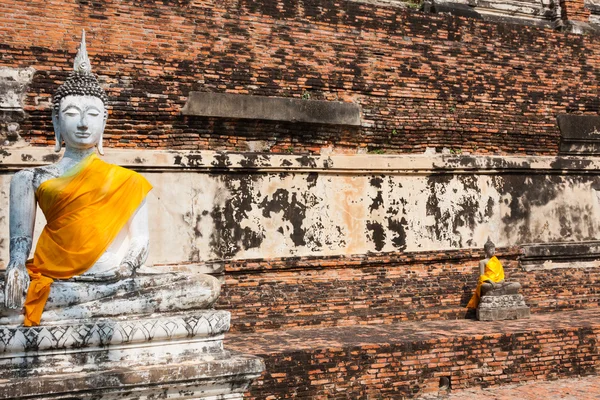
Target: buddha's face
column 490, row 251
column 81, row 121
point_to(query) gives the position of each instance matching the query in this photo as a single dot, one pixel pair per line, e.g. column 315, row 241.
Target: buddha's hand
column 16, row 285
column 125, row 270
column 116, row 274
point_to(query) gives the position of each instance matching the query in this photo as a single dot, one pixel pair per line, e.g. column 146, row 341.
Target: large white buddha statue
column 89, row 259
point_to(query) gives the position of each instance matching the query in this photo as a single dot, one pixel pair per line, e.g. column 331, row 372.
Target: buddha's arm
column 22, row 220
column 482, row 264
column 139, row 240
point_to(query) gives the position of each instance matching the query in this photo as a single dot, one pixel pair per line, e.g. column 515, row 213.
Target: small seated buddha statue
column 89, row 259
column 491, row 277
column 496, row 299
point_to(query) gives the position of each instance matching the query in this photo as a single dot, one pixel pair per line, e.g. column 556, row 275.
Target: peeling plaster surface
column 211, row 205
column 13, row 84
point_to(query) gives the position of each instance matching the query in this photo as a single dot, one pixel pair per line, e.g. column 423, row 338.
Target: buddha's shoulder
column 122, row 171
column 36, row 175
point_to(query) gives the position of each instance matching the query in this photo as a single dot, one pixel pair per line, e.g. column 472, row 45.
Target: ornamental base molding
column 171, row 356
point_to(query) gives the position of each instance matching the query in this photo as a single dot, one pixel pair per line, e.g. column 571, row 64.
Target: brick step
column 409, row 359
column 346, row 316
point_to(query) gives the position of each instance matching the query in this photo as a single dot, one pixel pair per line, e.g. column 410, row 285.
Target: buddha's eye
column 93, row 113
column 72, row 113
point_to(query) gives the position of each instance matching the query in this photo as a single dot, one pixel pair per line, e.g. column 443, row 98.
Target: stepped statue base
column 501, row 301
column 173, row 356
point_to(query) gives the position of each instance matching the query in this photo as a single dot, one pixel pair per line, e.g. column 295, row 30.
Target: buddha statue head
column 79, row 107
column 489, row 248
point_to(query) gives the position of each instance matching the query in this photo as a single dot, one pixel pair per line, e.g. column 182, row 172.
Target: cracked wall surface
column 215, row 205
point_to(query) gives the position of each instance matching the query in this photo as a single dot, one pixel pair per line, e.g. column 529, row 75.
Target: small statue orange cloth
column 493, row 272
column 85, row 209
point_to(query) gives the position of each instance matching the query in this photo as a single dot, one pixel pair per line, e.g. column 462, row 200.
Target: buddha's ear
column 58, row 144
column 99, row 144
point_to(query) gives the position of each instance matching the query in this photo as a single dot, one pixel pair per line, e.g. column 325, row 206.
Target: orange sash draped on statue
column 493, row 272
column 85, row 209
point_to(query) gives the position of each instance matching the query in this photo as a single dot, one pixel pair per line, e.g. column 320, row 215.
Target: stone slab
column 229, row 105
column 580, row 134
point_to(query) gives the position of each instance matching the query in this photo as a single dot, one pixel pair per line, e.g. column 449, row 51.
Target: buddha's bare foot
column 16, row 319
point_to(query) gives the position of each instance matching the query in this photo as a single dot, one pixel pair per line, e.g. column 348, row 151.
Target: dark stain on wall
column 228, row 236
column 292, row 209
column 51, row 158
column 377, row 201
column 221, row 160
column 376, row 234
column 311, row 180
column 307, row 161
column 531, row 191
column 398, row 227
column 463, row 214
column 253, row 160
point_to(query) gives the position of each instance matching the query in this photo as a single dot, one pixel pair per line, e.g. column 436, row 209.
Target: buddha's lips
column 83, row 135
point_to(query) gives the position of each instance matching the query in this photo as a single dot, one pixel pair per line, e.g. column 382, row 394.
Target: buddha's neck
column 76, row 155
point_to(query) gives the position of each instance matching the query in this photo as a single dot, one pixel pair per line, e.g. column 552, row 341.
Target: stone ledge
column 548, row 256
column 15, row 159
column 239, row 106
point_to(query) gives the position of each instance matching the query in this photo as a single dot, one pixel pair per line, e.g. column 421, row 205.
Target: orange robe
column 85, row 209
column 493, row 272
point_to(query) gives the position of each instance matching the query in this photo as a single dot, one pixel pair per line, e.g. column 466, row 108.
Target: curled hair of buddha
column 81, row 82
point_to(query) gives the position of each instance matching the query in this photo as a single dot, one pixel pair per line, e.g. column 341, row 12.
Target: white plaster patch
column 455, row 210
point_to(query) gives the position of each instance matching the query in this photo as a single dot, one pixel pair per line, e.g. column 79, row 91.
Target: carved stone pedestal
column 501, row 302
column 175, row 356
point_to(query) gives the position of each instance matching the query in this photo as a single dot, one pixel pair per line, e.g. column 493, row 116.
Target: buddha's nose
column 83, row 124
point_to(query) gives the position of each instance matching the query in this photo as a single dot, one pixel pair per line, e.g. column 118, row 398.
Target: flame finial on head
column 82, row 62
column 81, row 82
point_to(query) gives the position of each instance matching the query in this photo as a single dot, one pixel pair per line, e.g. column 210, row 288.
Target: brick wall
column 421, row 79
column 574, row 10
column 383, row 289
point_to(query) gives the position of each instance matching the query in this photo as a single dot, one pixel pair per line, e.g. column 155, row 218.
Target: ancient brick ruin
column 348, row 255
